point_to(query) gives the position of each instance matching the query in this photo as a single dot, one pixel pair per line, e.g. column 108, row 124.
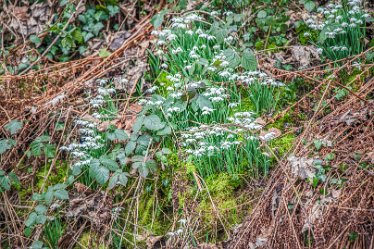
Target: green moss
column 58, row 174
column 223, row 191
column 283, row 144
column 88, row 240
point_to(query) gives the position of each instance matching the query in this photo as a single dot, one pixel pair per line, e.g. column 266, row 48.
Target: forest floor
column 186, row 124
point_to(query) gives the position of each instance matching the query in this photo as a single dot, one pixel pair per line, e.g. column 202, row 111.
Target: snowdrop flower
column 206, row 110
column 161, row 42
column 233, row 105
column 171, row 37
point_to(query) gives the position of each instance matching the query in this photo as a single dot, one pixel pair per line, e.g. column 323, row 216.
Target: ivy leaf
column 13, row 126
column 261, row 14
column 113, row 10
column 158, row 19
column 153, row 123
column 4, row 183
column 61, row 194
column 36, row 40
column 31, row 219
column 96, row 28
column 317, row 144
column 248, row 60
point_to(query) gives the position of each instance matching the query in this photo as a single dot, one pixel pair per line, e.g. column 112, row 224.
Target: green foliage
column 52, row 232
column 13, row 127
column 42, row 146
column 6, row 144
column 158, row 19
column 343, row 31
column 262, row 97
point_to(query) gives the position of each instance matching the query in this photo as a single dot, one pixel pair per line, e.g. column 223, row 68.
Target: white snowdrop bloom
column 344, row 24
column 226, row 145
column 338, row 6
column 351, row 12
column 211, row 69
column 356, row 65
column 307, row 34
column 169, row 88
column 194, row 55
column 164, row 66
column 338, row 18
column 143, row 102
column 366, row 15
column 216, row 47
column 359, row 22
column 155, row 33
column 177, row 50
column 171, row 37
column 161, row 42
column 159, row 52
column 309, row 21
column 233, row 105
column 64, row 148
column 199, row 31
column 224, row 73
column 214, row 13
column 331, row 16
column 330, row 35
column 320, row 9
column 224, row 63
column 206, row 110
column 211, row 37
column 188, row 67
column 268, row 136
column 330, row 6
column 152, row 89
column 189, row 32
column 202, row 35
column 229, row 39
column 190, row 140
column 179, row 231
column 343, row 48
column 352, row 25
column 176, row 95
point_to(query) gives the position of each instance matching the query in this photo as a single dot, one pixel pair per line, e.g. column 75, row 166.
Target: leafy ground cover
column 150, row 125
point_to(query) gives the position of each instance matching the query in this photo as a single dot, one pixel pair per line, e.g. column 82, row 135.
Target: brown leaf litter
column 293, row 214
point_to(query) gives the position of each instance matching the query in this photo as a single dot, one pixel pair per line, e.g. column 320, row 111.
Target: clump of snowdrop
column 342, row 28
column 89, row 141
